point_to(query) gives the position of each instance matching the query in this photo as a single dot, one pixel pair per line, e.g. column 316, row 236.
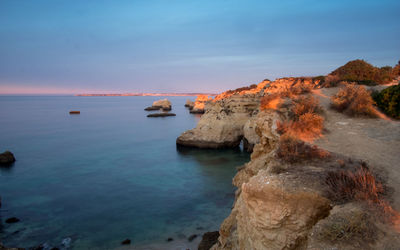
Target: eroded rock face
column 272, row 215
column 222, row 125
column 271, row 211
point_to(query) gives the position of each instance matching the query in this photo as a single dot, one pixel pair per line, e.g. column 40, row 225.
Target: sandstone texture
column 222, row 124
column 198, row 107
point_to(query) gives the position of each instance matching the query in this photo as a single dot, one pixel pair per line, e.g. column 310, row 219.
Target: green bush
column 361, row 72
column 388, row 100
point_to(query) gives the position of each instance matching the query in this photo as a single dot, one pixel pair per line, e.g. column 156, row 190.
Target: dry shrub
column 354, row 185
column 331, row 81
column 306, row 123
column 270, row 101
column 309, row 125
column 349, row 227
column 294, row 150
column 306, row 104
column 301, row 88
column 354, row 100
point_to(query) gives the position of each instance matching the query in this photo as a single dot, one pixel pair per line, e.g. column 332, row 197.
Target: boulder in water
column 6, row 158
column 161, row 115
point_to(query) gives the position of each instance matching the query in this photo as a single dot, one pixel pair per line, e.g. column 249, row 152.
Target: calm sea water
column 107, row 174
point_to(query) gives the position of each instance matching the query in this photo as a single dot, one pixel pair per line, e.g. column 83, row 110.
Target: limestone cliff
column 230, row 116
column 282, row 205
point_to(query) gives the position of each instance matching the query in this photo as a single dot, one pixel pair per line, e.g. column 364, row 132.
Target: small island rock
column 6, row 158
column 161, row 115
column 189, row 104
column 163, row 104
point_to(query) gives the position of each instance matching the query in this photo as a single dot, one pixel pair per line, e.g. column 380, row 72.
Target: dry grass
column 354, row 100
column 294, row 150
column 353, row 227
column 354, row 185
column 306, row 123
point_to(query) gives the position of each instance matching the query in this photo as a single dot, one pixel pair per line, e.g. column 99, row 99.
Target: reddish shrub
column 354, row 100
column 354, row 185
column 306, row 104
column 294, row 150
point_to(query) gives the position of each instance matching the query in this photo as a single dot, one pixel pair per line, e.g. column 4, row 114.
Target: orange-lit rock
column 199, row 104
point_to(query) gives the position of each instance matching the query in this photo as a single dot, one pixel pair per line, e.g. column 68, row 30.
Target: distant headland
column 149, row 94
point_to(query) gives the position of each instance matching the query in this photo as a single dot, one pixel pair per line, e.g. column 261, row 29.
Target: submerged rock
column 170, row 239
column 208, row 240
column 66, row 242
column 192, row 237
column 161, row 115
column 6, row 158
column 126, row 242
column 12, row 220
column 151, row 108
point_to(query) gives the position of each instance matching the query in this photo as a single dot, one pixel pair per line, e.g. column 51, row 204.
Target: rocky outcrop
column 189, row 104
column 163, row 104
column 223, row 123
column 7, row 158
column 208, row 240
column 229, row 118
column 198, row 107
column 275, row 208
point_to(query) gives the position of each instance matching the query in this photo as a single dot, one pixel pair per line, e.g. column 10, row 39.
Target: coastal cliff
column 320, row 197
column 229, row 118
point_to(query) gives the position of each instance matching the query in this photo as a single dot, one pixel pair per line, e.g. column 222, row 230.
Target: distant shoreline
column 150, row 94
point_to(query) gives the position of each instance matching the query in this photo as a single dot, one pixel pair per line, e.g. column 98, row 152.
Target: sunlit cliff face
column 200, row 101
column 242, row 91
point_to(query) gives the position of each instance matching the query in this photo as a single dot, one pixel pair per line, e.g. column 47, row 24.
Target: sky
column 117, row 46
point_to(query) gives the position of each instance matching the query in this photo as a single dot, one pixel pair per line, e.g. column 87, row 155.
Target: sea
column 92, row 180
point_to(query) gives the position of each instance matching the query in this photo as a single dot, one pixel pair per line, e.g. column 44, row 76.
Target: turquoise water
column 107, row 174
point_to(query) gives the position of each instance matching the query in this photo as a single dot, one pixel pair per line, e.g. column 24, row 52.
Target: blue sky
column 69, row 46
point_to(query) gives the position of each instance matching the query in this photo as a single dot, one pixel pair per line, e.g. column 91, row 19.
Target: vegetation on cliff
column 362, row 72
column 354, row 100
column 388, row 100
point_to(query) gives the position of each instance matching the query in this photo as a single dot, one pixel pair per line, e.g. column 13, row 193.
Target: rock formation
column 222, row 124
column 287, row 205
column 6, row 158
column 189, row 104
column 199, row 104
column 229, row 118
column 163, row 104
